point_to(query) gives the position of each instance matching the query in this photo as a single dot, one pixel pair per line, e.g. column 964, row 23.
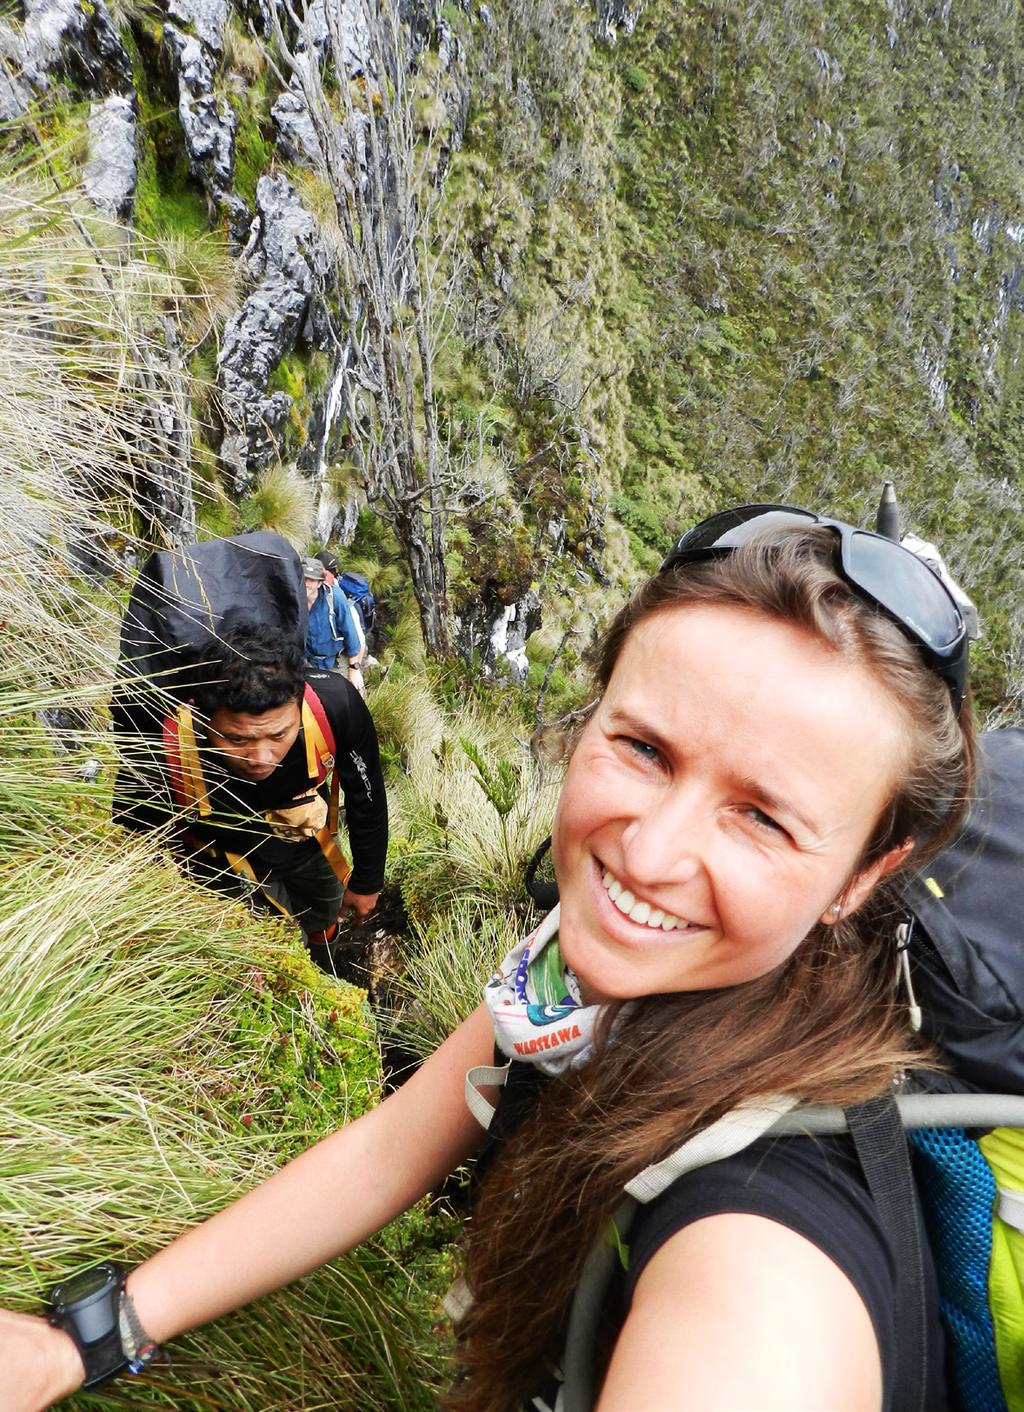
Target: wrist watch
column 87, row 1308
column 96, row 1312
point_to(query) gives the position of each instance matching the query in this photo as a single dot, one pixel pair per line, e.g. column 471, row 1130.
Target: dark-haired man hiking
column 248, row 773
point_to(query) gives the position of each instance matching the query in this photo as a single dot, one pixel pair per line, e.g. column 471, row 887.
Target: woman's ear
column 862, row 884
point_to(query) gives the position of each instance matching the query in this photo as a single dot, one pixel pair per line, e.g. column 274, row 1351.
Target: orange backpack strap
column 315, row 707
column 172, row 756
column 320, row 760
column 183, row 766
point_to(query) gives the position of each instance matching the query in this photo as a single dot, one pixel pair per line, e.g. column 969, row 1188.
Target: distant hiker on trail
column 357, row 590
column 250, row 771
column 334, row 638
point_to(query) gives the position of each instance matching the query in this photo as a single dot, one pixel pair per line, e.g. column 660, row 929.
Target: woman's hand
column 40, row 1363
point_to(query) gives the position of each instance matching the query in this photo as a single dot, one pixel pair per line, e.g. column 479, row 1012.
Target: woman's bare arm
column 318, row 1206
column 735, row 1312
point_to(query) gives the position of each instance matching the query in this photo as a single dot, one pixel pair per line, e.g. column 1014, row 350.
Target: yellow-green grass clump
column 162, row 1051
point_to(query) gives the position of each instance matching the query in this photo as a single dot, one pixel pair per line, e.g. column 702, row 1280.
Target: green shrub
column 635, row 78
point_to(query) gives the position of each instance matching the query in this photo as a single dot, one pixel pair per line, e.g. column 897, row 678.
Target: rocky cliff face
column 745, row 249
column 65, row 48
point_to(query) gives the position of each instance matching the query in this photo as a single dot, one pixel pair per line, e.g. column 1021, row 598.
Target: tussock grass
column 410, row 723
column 461, row 838
column 405, row 640
column 204, row 281
column 143, row 1085
column 283, row 501
column 71, row 420
column 447, row 962
column 244, row 53
column 160, row 1049
column 449, row 840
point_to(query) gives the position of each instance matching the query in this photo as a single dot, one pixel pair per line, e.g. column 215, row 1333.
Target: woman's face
column 717, row 803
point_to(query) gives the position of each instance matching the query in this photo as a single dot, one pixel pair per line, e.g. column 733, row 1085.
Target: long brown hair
column 824, row 1025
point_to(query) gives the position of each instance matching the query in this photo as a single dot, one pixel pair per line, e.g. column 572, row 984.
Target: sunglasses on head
column 881, row 571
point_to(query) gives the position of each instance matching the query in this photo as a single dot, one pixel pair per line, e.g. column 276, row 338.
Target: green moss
column 168, row 201
column 61, row 124
column 216, row 514
column 321, row 1057
column 254, row 150
column 289, row 376
column 303, row 374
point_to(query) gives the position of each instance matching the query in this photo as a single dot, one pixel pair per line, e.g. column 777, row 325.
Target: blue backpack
column 359, row 593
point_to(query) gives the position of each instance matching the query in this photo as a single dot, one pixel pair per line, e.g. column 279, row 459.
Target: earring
column 837, row 908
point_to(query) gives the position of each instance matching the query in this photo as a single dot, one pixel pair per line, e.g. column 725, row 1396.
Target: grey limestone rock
column 111, row 169
column 454, row 90
column 163, row 474
column 194, row 39
column 61, row 39
column 207, row 122
column 615, row 17
column 295, row 134
column 336, row 520
column 287, row 258
column 351, row 25
column 203, row 18
column 76, row 40
column 498, row 633
column 15, row 93
column 297, row 139
column 510, row 631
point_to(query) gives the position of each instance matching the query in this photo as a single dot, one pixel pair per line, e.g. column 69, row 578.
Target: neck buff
column 538, row 1013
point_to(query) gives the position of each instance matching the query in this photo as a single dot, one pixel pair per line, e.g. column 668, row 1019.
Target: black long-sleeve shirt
column 143, row 797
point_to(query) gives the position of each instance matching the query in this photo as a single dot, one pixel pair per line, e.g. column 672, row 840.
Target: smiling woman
column 780, row 728
column 771, row 745
column 727, row 783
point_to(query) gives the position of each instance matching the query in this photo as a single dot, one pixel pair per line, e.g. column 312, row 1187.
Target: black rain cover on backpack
column 967, row 954
column 183, row 598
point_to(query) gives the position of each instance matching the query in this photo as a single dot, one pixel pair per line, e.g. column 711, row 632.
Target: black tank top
column 815, row 1187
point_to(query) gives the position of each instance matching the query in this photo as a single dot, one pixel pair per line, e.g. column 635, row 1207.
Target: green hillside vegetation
column 754, row 250
column 738, row 247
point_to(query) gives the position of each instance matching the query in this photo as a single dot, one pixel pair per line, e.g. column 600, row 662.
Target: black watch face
column 85, row 1285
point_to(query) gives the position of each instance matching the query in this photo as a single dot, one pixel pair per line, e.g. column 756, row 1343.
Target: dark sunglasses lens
column 905, row 587
column 731, row 528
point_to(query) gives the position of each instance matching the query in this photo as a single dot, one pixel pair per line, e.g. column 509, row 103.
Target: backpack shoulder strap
column 878, row 1135
column 320, row 761
column 733, row 1132
column 172, row 758
column 184, row 767
column 317, row 729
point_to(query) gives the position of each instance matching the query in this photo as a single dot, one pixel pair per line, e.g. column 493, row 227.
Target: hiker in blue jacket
column 781, row 730
column 334, row 638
